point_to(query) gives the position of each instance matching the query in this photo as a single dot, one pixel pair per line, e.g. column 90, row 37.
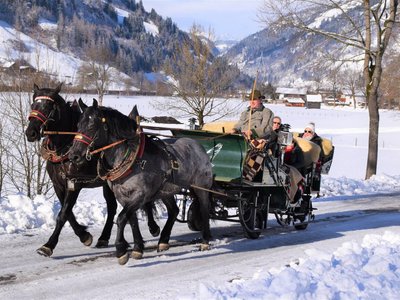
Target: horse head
column 99, row 127
column 46, row 111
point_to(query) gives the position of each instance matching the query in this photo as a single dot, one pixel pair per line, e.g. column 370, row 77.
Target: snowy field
column 351, row 251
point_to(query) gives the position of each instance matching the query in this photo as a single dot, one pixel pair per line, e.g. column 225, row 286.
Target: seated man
column 256, row 121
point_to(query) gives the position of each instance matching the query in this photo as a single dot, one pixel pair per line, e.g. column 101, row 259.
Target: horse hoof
column 162, row 247
column 102, row 244
column 204, row 247
column 44, row 251
column 137, row 255
column 122, row 260
column 89, row 240
column 156, row 232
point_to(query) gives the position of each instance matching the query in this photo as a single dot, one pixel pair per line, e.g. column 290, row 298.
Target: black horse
column 57, row 119
column 149, row 169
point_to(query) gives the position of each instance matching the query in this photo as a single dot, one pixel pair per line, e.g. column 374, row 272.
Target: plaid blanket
column 253, row 164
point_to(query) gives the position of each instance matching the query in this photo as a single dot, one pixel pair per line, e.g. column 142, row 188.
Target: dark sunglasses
column 307, row 131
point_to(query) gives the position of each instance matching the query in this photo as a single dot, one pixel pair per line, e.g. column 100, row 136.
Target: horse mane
column 119, row 125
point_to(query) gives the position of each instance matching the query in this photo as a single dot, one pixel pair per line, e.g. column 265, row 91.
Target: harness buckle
column 70, row 185
column 88, row 154
column 142, row 163
column 174, row 165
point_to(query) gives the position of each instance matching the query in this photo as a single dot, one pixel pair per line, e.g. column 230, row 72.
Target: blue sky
column 235, row 19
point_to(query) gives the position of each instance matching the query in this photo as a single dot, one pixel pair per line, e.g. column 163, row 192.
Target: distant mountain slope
column 293, row 58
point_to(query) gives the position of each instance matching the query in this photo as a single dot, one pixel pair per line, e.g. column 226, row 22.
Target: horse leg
column 151, row 223
column 111, row 211
column 203, row 198
column 121, row 244
column 173, row 211
column 80, row 230
column 138, row 243
column 64, row 215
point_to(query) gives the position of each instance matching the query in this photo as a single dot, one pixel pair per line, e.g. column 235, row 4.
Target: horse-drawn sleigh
column 203, row 170
column 251, row 199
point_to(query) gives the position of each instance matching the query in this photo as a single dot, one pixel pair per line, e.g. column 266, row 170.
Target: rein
column 107, row 147
column 60, row 132
column 82, row 138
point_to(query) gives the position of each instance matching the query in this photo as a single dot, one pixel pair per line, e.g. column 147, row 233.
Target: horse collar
column 51, row 155
column 125, row 167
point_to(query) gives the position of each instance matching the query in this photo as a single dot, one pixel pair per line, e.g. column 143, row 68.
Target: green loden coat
column 261, row 121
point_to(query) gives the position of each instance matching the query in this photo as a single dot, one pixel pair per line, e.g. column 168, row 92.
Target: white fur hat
column 311, row 126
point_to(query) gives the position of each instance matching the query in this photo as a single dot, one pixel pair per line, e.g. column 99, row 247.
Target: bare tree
column 22, row 166
column 198, row 78
column 96, row 71
column 366, row 25
column 351, row 79
column 27, row 173
column 390, row 88
column 3, row 161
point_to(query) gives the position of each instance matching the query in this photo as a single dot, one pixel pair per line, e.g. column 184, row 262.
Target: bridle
column 89, row 142
column 46, row 152
column 125, row 166
column 37, row 114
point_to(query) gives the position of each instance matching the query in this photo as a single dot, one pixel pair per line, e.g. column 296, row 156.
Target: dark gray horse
column 147, row 169
column 56, row 120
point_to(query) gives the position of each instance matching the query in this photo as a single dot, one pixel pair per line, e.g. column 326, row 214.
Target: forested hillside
column 138, row 40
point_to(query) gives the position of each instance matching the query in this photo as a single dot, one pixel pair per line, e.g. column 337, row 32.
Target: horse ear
column 134, row 114
column 82, row 105
column 58, row 88
column 95, row 103
column 35, row 87
column 75, row 105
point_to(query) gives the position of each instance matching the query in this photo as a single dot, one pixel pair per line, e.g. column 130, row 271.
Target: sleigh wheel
column 193, row 217
column 251, row 216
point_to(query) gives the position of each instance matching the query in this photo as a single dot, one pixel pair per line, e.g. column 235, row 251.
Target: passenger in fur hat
column 309, row 131
column 310, row 134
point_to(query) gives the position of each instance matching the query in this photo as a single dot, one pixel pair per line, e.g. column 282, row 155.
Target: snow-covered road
column 78, row 272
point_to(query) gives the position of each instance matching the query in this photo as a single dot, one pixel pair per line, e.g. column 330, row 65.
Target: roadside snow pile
column 348, row 186
column 19, row 212
column 354, row 271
